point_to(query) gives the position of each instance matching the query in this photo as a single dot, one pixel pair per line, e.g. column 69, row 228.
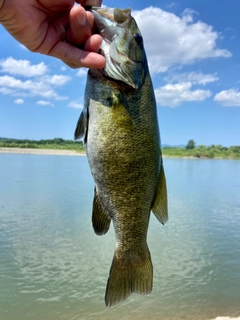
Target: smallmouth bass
column 121, row 136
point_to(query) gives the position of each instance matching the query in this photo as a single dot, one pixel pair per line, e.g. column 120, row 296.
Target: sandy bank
column 41, row 151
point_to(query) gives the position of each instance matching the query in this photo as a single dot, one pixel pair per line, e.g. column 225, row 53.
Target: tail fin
column 133, row 273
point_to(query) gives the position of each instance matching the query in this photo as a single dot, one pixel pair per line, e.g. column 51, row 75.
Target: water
column 53, row 266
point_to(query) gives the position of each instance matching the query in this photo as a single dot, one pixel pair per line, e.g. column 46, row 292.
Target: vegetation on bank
column 190, row 150
column 53, row 144
column 202, row 151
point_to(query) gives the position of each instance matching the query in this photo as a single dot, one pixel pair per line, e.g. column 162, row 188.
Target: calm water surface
column 53, row 266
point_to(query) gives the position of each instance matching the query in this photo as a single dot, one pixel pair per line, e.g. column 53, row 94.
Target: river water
column 53, row 266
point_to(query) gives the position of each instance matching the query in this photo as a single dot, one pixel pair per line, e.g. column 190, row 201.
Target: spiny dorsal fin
column 82, row 126
column 100, row 219
column 160, row 206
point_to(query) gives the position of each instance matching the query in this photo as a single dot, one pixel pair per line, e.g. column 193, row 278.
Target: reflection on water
column 53, row 266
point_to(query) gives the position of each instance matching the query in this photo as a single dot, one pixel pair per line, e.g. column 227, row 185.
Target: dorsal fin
column 82, row 126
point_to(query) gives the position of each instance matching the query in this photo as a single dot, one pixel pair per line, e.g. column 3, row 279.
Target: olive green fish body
column 120, row 128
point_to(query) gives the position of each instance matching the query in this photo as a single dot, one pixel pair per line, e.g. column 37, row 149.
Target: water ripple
column 53, row 266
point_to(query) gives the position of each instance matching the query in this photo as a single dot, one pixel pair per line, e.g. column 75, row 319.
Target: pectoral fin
column 100, row 219
column 160, row 207
column 82, row 126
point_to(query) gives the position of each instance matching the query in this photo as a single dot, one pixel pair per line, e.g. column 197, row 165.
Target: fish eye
column 138, row 38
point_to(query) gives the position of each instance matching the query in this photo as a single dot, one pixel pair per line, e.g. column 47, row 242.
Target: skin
column 56, row 28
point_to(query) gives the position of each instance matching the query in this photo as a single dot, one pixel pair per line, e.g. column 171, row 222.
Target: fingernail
column 81, row 19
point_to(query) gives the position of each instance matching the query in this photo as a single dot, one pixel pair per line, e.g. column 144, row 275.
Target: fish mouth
column 121, row 64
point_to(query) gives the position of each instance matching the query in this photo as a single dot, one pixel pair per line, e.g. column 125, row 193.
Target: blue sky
column 193, row 49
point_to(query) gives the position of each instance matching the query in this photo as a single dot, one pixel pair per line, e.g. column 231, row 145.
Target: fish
column 119, row 128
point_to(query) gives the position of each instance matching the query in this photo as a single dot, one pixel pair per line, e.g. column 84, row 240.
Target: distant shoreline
column 55, row 152
column 60, row 152
column 59, row 146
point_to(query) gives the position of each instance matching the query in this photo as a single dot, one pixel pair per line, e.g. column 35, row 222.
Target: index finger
column 81, row 24
column 76, row 58
column 87, row 3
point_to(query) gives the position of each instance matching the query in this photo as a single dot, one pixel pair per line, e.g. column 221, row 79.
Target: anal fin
column 160, row 205
column 100, row 219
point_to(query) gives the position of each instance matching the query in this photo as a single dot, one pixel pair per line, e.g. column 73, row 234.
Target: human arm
column 56, row 28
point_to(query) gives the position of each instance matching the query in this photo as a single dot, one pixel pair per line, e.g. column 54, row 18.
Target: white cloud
column 170, row 40
column 22, row 46
column 172, row 4
column 228, row 98
column 172, row 95
column 193, row 77
column 188, row 14
column 43, row 103
column 19, row 101
column 81, row 72
column 75, row 105
column 7, row 91
column 13, row 86
column 57, row 80
column 42, row 85
column 22, row 67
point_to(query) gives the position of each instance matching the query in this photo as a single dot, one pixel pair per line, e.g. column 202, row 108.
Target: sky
column 193, row 50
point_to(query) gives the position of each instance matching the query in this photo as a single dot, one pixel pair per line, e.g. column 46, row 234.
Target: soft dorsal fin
column 160, row 206
column 100, row 219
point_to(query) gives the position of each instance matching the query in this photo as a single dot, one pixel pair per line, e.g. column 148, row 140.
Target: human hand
column 56, row 28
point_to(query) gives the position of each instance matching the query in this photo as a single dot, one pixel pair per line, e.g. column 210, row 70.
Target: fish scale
column 120, row 129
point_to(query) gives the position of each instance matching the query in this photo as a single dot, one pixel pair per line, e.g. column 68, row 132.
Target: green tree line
column 202, row 151
column 57, row 143
column 190, row 150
